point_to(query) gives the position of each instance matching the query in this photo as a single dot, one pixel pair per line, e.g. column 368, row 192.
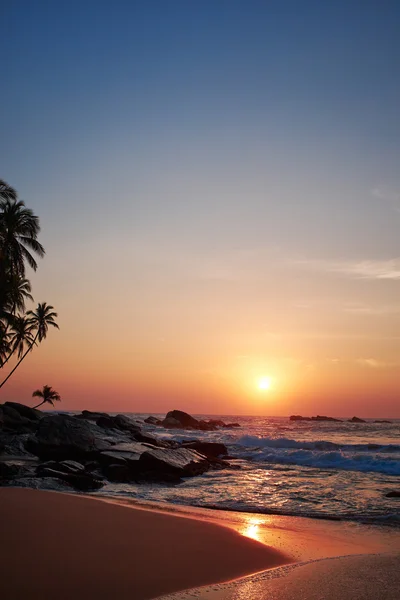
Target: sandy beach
column 66, row 546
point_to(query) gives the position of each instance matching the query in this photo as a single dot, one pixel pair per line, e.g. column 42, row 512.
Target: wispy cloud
column 373, row 363
column 362, row 269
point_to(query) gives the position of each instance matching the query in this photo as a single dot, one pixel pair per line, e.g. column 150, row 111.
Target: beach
column 69, row 546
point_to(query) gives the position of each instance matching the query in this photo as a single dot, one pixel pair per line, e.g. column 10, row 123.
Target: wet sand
column 65, row 546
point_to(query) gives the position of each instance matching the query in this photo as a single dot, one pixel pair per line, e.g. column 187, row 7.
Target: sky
column 218, row 187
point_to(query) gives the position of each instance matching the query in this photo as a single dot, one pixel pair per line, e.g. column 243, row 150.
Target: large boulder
column 171, row 423
column 65, row 437
column 180, row 462
column 208, row 449
column 184, row 419
column 25, row 411
column 356, row 420
column 91, row 416
column 120, row 422
column 11, row 419
column 83, row 482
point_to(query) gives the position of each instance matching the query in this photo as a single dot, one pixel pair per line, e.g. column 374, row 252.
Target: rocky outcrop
column 177, row 419
column 208, row 449
column 356, row 420
column 80, row 451
column 65, row 437
column 382, row 421
column 13, row 419
column 180, row 462
column 317, row 418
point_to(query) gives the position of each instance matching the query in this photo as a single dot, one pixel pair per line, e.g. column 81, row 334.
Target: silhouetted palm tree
column 48, row 394
column 6, row 191
column 19, row 229
column 40, row 319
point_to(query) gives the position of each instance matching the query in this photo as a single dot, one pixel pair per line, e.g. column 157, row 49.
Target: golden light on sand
column 264, row 383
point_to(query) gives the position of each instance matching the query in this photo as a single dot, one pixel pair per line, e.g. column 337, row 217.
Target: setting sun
column 264, row 383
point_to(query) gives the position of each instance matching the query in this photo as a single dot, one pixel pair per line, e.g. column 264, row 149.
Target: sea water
column 337, row 470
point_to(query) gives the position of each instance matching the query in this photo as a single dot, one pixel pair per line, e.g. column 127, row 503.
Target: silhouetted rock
column 11, row 419
column 317, row 418
column 65, row 437
column 382, row 421
column 394, row 494
column 91, row 416
column 356, row 420
column 25, row 411
column 184, row 419
column 171, row 423
column 208, row 449
column 228, row 425
column 120, row 422
column 153, row 421
column 42, row 483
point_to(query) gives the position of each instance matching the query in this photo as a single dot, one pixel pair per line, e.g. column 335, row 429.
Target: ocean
column 315, row 469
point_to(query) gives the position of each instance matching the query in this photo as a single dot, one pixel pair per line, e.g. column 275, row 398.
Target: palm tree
column 6, row 191
column 19, row 229
column 48, row 394
column 40, row 319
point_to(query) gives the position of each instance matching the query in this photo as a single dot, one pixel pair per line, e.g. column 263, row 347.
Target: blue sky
column 173, row 145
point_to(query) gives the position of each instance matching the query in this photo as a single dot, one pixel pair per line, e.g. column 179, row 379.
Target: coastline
column 98, row 546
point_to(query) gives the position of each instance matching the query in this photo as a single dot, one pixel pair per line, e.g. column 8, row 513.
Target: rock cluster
column 83, row 452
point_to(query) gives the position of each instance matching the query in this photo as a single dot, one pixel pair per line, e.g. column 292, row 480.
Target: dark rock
column 393, row 494
column 65, row 437
column 13, row 444
column 9, row 471
column 91, row 416
column 84, row 482
column 180, row 461
column 205, row 426
column 120, row 422
column 126, row 453
column 15, row 469
column 12, row 420
column 208, row 449
column 382, row 421
column 228, row 425
column 356, row 420
column 153, row 421
column 150, row 439
column 184, row 418
column 317, row 418
column 42, row 483
column 118, row 473
column 25, row 411
column 64, row 466
column 171, row 423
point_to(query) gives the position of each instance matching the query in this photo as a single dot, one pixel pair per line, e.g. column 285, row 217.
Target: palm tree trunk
column 37, row 406
column 20, row 361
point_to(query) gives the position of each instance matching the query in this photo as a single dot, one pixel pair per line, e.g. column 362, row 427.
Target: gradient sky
column 218, row 185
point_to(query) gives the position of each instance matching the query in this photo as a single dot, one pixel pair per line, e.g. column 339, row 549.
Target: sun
column 264, row 383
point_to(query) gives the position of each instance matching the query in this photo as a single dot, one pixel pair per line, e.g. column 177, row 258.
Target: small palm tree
column 48, row 394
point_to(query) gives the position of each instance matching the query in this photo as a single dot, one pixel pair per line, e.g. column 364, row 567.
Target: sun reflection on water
column 252, row 528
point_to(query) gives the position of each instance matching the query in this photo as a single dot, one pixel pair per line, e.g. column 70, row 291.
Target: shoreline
column 119, row 547
column 91, row 548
